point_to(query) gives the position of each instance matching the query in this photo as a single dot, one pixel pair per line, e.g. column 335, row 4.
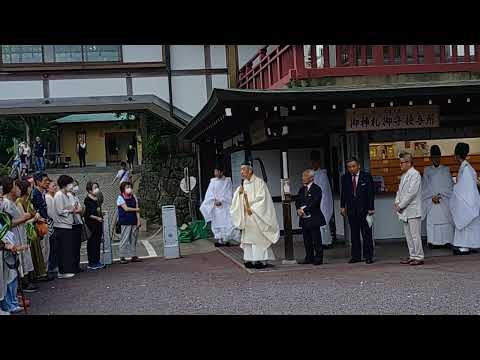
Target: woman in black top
column 94, row 221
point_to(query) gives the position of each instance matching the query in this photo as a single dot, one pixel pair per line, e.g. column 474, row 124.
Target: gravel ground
column 211, row 284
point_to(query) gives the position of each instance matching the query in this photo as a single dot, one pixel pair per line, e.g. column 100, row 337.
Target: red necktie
column 354, row 184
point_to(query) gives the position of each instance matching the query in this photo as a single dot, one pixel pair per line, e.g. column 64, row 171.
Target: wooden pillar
column 429, row 52
column 232, row 65
column 286, row 200
column 313, row 56
column 326, row 56
column 378, row 55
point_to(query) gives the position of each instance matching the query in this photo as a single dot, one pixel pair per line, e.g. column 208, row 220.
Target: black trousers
column 65, row 244
column 77, row 244
column 52, row 254
column 359, row 224
column 94, row 242
column 82, row 156
column 312, row 239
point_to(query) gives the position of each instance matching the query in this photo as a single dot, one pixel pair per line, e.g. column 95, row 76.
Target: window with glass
column 38, row 54
column 307, row 56
column 22, row 54
column 109, row 53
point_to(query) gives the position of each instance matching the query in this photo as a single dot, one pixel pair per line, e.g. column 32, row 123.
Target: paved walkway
column 209, row 283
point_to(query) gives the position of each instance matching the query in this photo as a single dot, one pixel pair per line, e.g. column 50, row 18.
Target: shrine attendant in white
column 216, row 207
column 465, row 205
column 326, row 205
column 437, row 188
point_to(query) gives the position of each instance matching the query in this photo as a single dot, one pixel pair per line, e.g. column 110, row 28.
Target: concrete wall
column 21, row 90
column 88, row 87
column 187, row 57
column 189, row 93
column 151, row 86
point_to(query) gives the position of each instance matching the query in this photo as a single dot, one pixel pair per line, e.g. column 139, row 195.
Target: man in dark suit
column 356, row 202
column 311, row 218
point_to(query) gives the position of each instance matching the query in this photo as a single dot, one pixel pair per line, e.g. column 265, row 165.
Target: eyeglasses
column 403, row 162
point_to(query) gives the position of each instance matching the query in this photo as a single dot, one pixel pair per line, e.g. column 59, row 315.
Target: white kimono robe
column 326, row 205
column 261, row 229
column 219, row 190
column 440, row 227
column 465, row 208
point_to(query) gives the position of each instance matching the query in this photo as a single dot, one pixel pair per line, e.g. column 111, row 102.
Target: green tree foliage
column 13, row 127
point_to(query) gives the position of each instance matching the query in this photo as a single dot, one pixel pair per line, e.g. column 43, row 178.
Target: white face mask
column 76, row 189
column 96, row 191
column 69, row 187
column 128, row 191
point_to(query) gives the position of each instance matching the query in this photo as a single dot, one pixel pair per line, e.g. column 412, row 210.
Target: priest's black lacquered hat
column 246, row 163
column 219, row 165
column 315, row 155
column 435, row 150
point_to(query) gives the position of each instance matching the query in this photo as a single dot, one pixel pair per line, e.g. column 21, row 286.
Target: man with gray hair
column 408, row 205
column 308, row 204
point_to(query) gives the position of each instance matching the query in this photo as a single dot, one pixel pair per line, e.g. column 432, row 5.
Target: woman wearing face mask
column 20, row 218
column 65, row 210
column 52, row 255
column 94, row 221
column 129, row 219
column 77, row 225
column 25, row 206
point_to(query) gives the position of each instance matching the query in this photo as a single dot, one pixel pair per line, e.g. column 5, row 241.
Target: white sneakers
column 66, row 276
column 4, row 312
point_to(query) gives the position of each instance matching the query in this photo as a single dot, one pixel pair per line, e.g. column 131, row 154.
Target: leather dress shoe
column 353, row 261
column 369, row 261
column 318, row 262
column 249, row 265
column 305, row 262
column 406, row 261
column 416, row 262
column 458, row 252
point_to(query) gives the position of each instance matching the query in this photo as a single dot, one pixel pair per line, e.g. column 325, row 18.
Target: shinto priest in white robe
column 259, row 230
column 326, row 205
column 465, row 208
column 220, row 190
column 440, row 226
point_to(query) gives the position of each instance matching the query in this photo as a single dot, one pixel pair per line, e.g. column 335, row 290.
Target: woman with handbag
column 19, row 218
column 94, row 222
column 129, row 220
column 25, row 206
column 65, row 240
column 52, row 215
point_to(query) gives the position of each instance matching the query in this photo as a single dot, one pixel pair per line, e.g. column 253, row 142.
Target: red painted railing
column 274, row 69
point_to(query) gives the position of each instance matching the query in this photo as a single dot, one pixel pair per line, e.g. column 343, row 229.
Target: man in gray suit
column 408, row 205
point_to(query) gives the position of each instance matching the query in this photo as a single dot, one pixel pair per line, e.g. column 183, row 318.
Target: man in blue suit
column 356, row 202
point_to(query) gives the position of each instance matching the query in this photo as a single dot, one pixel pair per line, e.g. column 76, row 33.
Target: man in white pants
column 465, row 205
column 216, row 207
column 408, row 205
column 437, row 188
column 321, row 179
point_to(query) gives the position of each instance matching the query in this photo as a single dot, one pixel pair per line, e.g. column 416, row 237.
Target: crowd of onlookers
column 43, row 224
